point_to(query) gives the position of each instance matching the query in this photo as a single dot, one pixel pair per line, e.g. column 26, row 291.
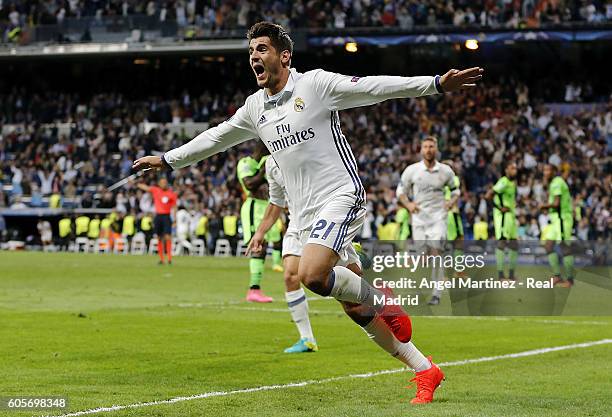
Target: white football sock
column 348, row 286
column 298, row 306
column 437, row 274
column 407, row 353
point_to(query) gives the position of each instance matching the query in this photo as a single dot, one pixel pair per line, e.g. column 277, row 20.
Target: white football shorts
column 432, row 235
column 335, row 227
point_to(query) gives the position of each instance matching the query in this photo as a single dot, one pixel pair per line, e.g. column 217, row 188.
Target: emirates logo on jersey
column 299, row 105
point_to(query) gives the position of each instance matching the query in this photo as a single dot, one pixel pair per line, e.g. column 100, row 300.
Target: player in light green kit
column 503, row 195
column 454, row 222
column 561, row 219
column 402, row 217
column 252, row 178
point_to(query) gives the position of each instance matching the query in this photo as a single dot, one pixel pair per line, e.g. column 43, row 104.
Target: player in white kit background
column 421, row 191
column 46, row 235
column 296, row 116
column 293, row 244
column 183, row 226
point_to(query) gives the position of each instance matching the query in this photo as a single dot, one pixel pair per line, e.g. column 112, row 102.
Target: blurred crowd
column 218, row 15
column 479, row 131
column 43, row 163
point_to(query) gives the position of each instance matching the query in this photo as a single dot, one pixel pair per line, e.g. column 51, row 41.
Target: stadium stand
column 329, row 14
column 213, row 17
column 59, row 146
column 62, row 143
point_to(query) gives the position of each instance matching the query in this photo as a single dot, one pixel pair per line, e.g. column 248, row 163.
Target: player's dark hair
column 506, row 164
column 279, row 38
column 430, row 139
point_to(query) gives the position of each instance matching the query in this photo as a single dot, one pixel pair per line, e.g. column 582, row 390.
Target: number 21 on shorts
column 321, row 225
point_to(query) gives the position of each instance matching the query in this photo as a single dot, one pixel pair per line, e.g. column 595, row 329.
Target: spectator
column 231, row 14
column 477, row 129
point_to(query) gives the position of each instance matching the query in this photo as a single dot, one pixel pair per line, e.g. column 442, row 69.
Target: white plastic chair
column 101, row 245
column 81, row 242
column 241, row 249
column 125, row 247
column 153, row 246
column 199, row 247
column 139, row 244
column 177, row 249
column 223, row 248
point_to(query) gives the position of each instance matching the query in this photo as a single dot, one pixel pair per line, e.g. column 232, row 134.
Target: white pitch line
column 332, row 379
column 237, row 306
column 519, row 318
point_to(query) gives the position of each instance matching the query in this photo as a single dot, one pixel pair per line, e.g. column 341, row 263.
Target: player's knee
column 566, row 249
column 354, row 267
column 315, row 280
column 549, row 246
column 292, row 280
column 359, row 313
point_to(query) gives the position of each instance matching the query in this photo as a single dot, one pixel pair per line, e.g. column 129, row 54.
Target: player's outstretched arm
column 143, row 187
column 271, row 215
column 455, row 80
column 239, row 128
column 340, row 92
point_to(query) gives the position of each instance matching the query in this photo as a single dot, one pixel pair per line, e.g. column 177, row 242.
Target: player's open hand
column 148, row 162
column 412, row 207
column 455, row 80
column 256, row 244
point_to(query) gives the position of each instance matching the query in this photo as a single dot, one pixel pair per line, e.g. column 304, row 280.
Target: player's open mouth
column 259, row 71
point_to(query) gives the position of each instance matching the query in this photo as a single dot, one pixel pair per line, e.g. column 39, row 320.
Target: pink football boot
column 256, row 296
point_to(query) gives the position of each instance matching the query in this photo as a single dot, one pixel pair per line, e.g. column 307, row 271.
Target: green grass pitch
column 107, row 330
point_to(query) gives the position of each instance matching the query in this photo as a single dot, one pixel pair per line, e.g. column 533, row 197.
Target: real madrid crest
column 299, row 105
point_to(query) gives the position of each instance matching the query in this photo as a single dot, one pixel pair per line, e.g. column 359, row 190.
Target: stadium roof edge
column 81, row 49
column 317, row 38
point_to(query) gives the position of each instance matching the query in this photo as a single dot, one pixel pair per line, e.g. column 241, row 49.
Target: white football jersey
column 301, row 128
column 426, row 188
column 183, row 221
column 276, row 185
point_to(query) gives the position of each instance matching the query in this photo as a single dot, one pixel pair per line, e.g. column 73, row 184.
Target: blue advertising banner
column 523, row 36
